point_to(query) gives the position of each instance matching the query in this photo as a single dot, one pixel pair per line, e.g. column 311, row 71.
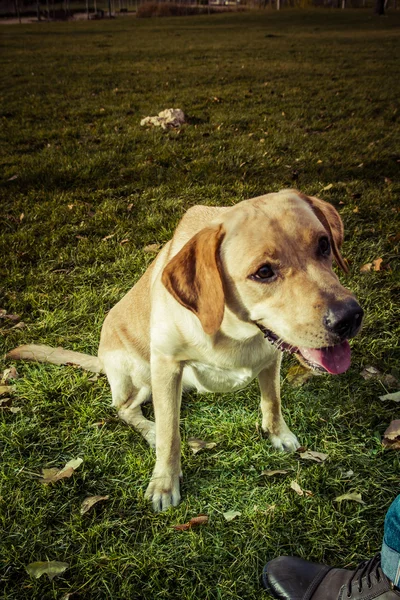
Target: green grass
column 303, row 99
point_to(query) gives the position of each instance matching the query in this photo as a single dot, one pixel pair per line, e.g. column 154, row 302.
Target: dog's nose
column 344, row 319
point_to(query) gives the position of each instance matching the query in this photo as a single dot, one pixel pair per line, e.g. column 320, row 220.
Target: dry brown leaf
column 298, row 374
column 295, row 486
column 194, row 522
column 19, row 325
column 108, row 237
column 354, row 496
column 366, row 268
column 4, row 315
column 274, row 472
column 391, row 437
column 370, row 372
column 152, row 248
column 390, row 380
column 196, row 445
column 55, row 474
column 375, row 265
column 9, row 375
column 318, row 457
column 91, row 501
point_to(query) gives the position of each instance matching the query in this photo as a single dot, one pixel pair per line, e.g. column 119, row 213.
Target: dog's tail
column 56, row 356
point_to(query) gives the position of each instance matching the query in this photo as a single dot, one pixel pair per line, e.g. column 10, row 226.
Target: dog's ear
column 330, row 219
column 193, row 277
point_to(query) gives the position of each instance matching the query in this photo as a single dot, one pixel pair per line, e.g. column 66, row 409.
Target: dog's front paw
column 286, row 441
column 163, row 491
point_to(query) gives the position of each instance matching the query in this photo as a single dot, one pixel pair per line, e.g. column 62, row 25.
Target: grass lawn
column 296, row 99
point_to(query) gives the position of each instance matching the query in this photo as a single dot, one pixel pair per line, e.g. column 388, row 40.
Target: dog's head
column 269, row 260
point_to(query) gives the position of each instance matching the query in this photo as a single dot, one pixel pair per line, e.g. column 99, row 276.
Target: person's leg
column 390, row 553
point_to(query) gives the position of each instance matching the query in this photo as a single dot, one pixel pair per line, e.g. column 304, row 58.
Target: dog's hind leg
column 127, row 398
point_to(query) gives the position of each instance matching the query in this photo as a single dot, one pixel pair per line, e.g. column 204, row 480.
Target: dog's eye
column 324, row 246
column 264, row 273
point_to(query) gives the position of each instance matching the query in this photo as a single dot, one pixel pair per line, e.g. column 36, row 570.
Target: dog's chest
column 208, row 378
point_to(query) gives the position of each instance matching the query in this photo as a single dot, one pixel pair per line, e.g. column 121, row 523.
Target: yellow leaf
column 298, row 374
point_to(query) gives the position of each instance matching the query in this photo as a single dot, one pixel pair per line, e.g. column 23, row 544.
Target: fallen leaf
column 298, row 374
column 354, row 496
column 21, row 217
column 125, row 241
column 9, row 374
column 274, row 472
column 370, row 372
column 377, row 264
column 19, row 325
column 55, row 474
column 268, row 509
column 391, row 437
column 231, row 514
column 129, row 207
column 366, row 268
column 194, row 522
column 395, row 396
column 152, row 248
column 196, row 445
column 356, row 209
column 318, row 457
column 390, row 380
column 91, row 501
column 4, row 315
column 108, row 237
column 15, row 409
column 12, row 178
column 348, row 474
column 51, row 568
column 6, row 389
column 295, row 486
column 328, row 187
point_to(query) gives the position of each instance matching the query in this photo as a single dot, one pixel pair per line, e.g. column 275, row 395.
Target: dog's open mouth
column 331, row 359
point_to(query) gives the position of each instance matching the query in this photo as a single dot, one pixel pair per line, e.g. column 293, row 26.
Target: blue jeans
column 390, row 553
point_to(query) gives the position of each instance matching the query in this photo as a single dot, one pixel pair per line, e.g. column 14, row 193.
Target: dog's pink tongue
column 334, row 359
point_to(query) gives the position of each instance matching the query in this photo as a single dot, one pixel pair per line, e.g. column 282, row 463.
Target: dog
column 232, row 290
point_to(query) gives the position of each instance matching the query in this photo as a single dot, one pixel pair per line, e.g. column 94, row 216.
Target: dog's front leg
column 166, row 378
column 273, row 422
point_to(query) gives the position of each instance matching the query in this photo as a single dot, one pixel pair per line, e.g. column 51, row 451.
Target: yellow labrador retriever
column 234, row 288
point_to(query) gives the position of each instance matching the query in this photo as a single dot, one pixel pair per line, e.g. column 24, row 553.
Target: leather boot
column 291, row 578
